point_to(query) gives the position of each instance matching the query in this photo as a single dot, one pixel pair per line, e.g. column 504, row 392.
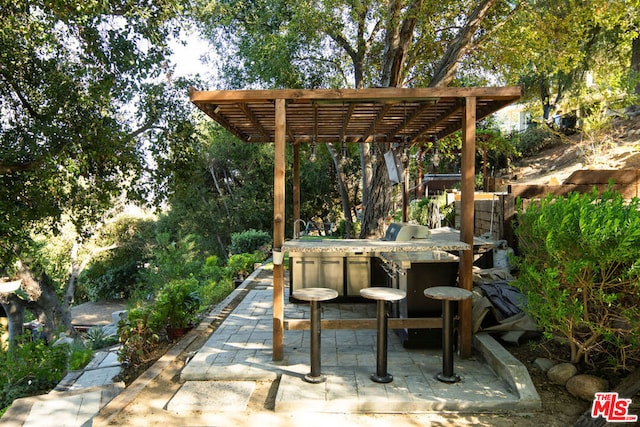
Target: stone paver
column 348, row 358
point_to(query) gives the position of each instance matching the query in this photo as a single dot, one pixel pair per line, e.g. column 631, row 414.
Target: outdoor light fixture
column 344, row 153
column 312, row 152
column 435, row 159
column 405, row 155
column 373, row 154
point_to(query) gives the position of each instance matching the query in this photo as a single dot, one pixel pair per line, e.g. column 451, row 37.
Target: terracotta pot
column 176, row 333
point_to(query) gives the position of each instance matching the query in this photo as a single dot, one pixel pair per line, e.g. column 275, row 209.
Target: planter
column 177, row 333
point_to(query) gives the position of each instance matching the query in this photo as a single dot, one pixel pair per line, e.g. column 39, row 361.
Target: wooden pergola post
column 278, row 227
column 296, row 189
column 466, row 221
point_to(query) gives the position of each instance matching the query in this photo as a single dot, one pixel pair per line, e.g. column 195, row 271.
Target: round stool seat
column 315, row 294
column 383, row 294
column 448, row 293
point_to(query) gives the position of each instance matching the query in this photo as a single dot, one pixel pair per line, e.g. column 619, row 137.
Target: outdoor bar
column 388, row 115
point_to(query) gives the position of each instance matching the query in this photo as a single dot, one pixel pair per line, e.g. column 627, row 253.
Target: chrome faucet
column 296, row 234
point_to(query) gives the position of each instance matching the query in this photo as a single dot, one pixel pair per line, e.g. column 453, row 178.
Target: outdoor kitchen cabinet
column 413, row 272
column 317, row 270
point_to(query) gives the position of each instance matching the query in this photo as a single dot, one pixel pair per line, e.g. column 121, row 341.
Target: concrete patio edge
column 506, row 366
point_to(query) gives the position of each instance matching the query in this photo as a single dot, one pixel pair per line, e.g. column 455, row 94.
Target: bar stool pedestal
column 382, row 295
column 447, row 294
column 315, row 296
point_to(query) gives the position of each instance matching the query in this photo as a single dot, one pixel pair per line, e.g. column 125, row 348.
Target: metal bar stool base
column 449, row 380
column 382, row 380
column 315, row 379
column 382, row 295
column 315, row 296
column 447, row 294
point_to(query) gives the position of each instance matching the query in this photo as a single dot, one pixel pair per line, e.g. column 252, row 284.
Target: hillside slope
column 616, row 148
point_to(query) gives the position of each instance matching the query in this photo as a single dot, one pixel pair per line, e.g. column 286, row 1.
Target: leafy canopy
column 81, row 100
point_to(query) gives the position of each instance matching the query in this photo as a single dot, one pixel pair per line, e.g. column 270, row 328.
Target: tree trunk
column 344, row 194
column 380, row 203
column 15, row 316
column 44, row 303
column 398, row 41
column 635, row 62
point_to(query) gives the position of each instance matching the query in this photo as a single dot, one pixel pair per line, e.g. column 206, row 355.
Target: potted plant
column 176, row 306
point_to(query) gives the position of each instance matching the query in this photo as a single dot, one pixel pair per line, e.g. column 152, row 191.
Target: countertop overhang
column 372, row 246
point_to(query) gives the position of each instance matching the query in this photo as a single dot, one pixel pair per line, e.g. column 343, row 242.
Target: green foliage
column 33, row 367
column 97, row 339
column 73, row 73
column 177, row 304
column 140, row 337
column 79, row 357
column 171, row 260
column 122, row 250
column 249, row 241
column 534, row 139
column 215, row 291
column 580, row 271
column 241, row 265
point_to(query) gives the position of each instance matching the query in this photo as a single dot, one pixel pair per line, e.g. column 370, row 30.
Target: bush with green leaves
column 249, row 241
column 535, row 139
column 33, row 367
column 177, row 304
column 123, row 250
column 579, row 268
column 141, row 337
column 241, row 265
column 96, row 338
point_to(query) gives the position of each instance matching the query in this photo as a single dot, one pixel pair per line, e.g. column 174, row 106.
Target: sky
column 187, row 56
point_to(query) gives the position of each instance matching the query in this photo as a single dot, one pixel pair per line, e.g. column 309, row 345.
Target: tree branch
column 446, row 69
column 399, row 39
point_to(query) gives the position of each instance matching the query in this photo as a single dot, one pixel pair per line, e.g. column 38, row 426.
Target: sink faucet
column 296, row 234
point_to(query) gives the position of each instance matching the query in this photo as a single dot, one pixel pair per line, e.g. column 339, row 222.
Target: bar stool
column 315, row 296
column 447, row 294
column 381, row 295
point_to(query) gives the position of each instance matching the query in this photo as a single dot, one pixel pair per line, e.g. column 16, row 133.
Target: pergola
column 385, row 115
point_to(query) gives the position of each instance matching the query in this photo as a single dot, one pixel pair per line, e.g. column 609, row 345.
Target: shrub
column 535, row 139
column 32, row 367
column 241, row 265
column 580, row 271
column 114, row 273
column 177, row 304
column 250, row 241
column 97, row 339
column 140, row 337
column 79, row 357
column 216, row 291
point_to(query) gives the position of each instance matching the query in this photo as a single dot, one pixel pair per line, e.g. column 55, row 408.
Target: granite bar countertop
column 405, row 260
column 372, row 246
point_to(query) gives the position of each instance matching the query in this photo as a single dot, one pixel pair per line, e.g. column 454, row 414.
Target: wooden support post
column 296, row 189
column 405, row 194
column 466, row 221
column 278, row 227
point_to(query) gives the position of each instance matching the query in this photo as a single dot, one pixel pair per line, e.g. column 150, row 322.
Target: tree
column 358, row 43
column 550, row 46
column 82, row 102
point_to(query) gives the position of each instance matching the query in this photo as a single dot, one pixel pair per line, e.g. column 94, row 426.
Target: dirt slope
column 615, row 148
